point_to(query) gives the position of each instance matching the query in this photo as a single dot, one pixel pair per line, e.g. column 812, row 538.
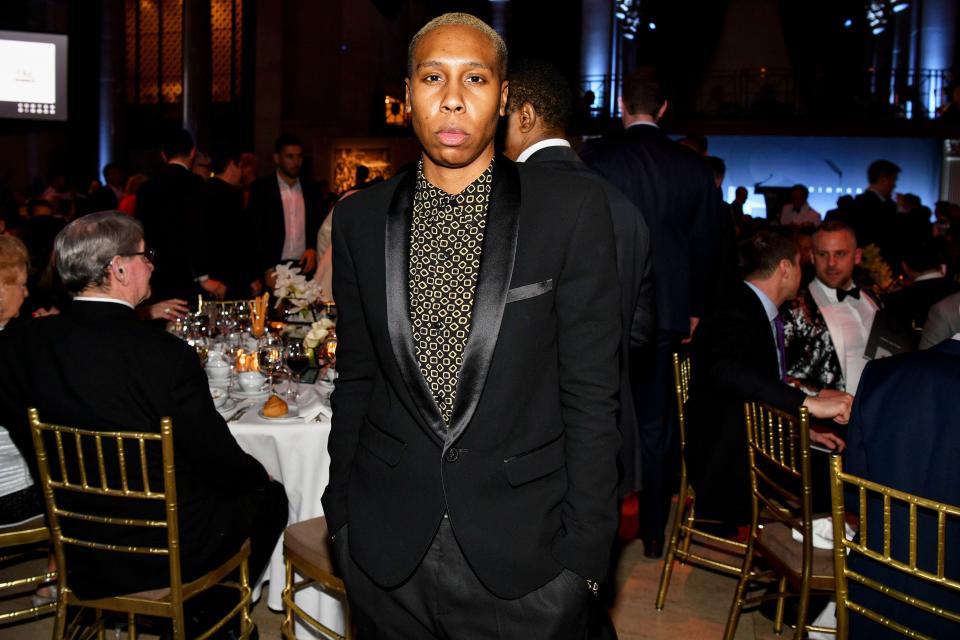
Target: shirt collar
column 423, row 185
column 878, row 194
column 98, row 299
column 931, row 275
column 642, row 123
column 284, row 186
column 767, row 303
column 543, row 144
column 180, row 164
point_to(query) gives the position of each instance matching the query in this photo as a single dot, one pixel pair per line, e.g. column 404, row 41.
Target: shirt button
column 438, row 325
column 448, row 255
column 440, row 397
column 452, row 455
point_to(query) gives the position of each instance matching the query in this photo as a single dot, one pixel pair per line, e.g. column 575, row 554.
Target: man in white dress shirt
column 827, row 326
column 798, row 211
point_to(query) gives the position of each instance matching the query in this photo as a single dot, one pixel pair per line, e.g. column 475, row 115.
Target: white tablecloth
column 295, row 454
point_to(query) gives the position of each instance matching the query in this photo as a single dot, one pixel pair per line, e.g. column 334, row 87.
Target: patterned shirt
column 446, row 240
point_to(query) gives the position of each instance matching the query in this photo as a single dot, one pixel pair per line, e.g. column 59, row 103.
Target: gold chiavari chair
column 778, row 445
column 889, row 500
column 77, row 462
column 19, row 542
column 306, row 550
column 684, row 522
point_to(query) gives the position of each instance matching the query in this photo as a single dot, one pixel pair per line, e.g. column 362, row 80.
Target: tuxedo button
column 452, row 455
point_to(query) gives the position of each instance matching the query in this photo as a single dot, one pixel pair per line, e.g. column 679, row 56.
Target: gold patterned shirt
column 446, row 240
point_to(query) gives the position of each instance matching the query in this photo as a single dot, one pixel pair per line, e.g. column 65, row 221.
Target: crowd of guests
column 785, row 310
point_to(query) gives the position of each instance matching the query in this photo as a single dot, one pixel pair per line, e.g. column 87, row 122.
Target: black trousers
column 443, row 599
column 651, row 376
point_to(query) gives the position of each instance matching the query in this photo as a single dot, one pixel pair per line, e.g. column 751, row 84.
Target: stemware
column 270, row 356
column 297, row 360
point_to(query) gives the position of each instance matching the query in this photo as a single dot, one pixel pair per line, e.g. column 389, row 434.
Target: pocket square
column 529, row 290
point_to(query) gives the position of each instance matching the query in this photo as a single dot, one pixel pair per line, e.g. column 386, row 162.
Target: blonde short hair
column 461, row 20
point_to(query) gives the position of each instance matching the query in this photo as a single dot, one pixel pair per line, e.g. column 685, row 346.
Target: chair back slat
column 891, row 499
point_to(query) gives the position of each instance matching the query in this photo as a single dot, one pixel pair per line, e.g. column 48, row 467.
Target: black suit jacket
column 167, row 207
column 265, row 209
column 527, row 472
column 228, row 233
column 98, row 366
column 904, row 432
column 874, row 222
column 734, row 361
column 636, row 293
column 675, row 190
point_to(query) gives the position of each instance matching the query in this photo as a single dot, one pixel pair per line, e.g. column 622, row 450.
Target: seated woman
column 20, row 498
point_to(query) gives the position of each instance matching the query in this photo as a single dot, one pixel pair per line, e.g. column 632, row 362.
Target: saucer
column 292, row 415
column 240, row 393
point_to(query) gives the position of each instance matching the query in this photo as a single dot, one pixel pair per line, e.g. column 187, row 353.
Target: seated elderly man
column 98, row 366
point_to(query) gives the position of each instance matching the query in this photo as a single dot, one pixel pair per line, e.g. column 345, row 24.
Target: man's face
column 289, row 160
column 886, row 184
column 794, row 275
column 115, row 177
column 138, row 269
column 741, row 195
column 834, row 256
column 456, row 95
column 798, row 197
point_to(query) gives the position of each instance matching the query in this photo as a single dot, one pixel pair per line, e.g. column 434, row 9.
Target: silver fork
column 238, row 414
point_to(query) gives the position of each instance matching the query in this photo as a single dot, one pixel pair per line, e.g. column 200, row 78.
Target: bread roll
column 275, row 407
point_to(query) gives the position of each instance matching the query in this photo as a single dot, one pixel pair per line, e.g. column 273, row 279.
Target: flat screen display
column 33, row 76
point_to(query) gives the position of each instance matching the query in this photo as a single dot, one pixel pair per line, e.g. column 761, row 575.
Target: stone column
column 597, row 64
column 111, row 101
column 197, row 69
column 938, row 37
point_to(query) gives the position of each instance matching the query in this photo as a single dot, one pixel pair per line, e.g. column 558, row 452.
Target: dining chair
column 306, row 551
column 778, row 445
column 684, row 526
column 88, row 477
column 889, row 501
column 19, row 544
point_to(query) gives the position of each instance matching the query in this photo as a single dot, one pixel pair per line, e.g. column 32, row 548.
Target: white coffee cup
column 251, row 381
column 217, row 369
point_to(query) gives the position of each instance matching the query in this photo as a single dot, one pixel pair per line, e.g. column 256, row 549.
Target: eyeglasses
column 149, row 254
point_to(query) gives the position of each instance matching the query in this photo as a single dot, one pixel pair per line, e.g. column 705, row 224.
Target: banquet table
column 293, row 452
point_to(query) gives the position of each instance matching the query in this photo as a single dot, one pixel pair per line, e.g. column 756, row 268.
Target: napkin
column 823, row 533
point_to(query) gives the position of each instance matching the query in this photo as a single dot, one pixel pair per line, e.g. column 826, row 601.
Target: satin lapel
column 496, row 270
column 397, row 261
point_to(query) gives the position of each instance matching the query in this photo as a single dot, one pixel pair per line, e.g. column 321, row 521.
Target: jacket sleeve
column 588, row 317
column 356, row 367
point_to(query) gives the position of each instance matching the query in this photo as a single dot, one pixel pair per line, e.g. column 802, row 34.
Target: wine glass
column 295, row 355
column 269, row 355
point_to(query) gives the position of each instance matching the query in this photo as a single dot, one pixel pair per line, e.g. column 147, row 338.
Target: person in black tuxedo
column 98, row 366
column 286, row 212
column 172, row 225
column 738, row 356
column 108, row 196
column 920, row 390
column 473, row 477
column 874, row 212
column 538, row 111
column 226, row 228
column 676, row 191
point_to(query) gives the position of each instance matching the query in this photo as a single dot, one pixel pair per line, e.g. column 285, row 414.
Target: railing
column 913, row 94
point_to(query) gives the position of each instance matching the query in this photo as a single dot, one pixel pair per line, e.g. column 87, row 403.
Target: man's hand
column 830, row 404
column 309, row 261
column 215, row 288
column 693, row 327
column 165, row 310
column 41, row 312
column 826, row 438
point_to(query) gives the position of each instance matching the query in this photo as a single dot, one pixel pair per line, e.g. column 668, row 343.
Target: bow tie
column 853, row 293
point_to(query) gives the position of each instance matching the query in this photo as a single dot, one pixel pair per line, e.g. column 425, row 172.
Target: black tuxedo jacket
column 167, row 207
column 675, row 190
column 636, row 293
column 734, row 361
column 527, row 472
column 228, row 234
column 265, row 209
column 98, row 366
column 904, row 432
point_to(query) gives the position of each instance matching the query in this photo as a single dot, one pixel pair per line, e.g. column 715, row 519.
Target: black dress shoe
column 652, row 548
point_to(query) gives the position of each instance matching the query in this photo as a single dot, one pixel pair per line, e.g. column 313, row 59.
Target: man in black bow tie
column 826, row 328
column 473, row 453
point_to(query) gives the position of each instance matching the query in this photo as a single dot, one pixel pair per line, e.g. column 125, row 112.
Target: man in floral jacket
column 827, row 326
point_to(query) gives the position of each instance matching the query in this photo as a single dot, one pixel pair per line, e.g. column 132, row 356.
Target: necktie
column 853, row 293
column 781, row 346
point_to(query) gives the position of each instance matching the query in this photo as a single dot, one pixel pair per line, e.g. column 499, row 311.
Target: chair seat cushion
column 777, row 537
column 309, row 540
